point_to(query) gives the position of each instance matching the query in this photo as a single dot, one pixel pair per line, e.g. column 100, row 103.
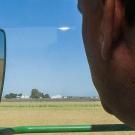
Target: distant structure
column 24, row 97
column 57, row 97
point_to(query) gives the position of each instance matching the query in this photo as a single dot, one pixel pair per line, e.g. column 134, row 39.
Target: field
column 56, row 113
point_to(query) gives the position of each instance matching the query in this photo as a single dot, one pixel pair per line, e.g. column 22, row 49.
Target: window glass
column 45, row 52
column 45, row 48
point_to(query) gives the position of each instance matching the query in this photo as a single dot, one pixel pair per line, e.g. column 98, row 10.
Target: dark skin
column 109, row 39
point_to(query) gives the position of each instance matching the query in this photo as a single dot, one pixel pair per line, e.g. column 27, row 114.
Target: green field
column 56, row 113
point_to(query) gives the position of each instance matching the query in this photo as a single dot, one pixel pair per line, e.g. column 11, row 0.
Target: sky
column 45, row 48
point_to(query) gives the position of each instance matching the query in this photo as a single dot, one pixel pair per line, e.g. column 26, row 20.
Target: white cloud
column 64, row 28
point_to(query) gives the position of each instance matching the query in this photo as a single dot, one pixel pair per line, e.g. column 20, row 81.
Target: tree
column 11, row 95
column 35, row 93
column 46, row 96
column 19, row 95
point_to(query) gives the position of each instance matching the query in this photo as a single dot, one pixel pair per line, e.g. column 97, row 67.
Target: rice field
column 56, row 113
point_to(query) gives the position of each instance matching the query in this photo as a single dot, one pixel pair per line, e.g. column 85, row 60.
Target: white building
column 56, row 97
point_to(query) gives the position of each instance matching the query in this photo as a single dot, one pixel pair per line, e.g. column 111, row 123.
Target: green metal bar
column 65, row 129
column 53, row 129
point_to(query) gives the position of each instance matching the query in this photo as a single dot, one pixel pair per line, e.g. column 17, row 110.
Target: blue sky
column 45, row 48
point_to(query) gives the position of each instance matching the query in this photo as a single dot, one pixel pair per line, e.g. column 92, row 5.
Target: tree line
column 35, row 94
